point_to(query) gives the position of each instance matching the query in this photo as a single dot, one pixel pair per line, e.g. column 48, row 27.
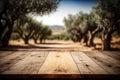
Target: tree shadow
column 33, row 47
column 45, row 46
column 54, row 43
column 117, row 48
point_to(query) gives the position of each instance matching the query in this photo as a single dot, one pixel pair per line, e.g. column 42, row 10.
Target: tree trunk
column 35, row 40
column 106, row 41
column 85, row 39
column 41, row 40
column 92, row 36
column 91, row 43
column 26, row 41
column 90, row 39
column 6, row 37
column 2, row 29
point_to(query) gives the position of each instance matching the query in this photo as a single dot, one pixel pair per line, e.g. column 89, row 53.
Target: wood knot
column 86, row 65
column 109, row 65
column 60, row 70
column 94, row 57
column 57, row 56
column 39, row 56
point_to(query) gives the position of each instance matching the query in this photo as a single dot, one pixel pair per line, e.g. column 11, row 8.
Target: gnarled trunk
column 85, row 38
column 26, row 40
column 35, row 40
column 92, row 36
column 41, row 40
column 106, row 41
column 6, row 37
column 90, row 39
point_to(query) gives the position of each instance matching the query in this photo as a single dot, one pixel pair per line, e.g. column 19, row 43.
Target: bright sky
column 64, row 8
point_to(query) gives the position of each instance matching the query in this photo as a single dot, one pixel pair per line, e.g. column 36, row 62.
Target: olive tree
column 11, row 10
column 108, row 14
column 45, row 32
column 73, row 29
column 25, row 27
column 81, row 26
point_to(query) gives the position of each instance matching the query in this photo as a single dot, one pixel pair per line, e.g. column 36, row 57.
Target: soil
column 58, row 45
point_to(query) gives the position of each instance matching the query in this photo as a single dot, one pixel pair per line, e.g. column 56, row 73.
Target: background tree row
column 27, row 29
column 104, row 18
column 11, row 10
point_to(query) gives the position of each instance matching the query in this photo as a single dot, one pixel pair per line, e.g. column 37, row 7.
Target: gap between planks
column 29, row 65
column 59, row 63
column 86, row 65
column 108, row 63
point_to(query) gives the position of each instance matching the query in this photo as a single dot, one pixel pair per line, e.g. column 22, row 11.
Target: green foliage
column 45, row 32
column 15, row 36
column 105, row 17
column 108, row 18
column 116, row 34
column 79, row 25
column 11, row 10
column 24, row 27
column 72, row 26
column 62, row 36
column 28, row 28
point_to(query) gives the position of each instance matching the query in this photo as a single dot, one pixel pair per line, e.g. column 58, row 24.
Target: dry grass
column 62, row 45
column 115, row 43
column 51, row 45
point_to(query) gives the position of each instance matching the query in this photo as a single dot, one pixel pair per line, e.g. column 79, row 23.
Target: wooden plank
column 9, row 58
column 81, row 65
column 46, row 53
column 104, row 62
column 6, row 64
column 95, row 68
column 5, row 53
column 29, row 65
column 113, row 54
column 75, row 56
column 110, row 59
column 59, row 63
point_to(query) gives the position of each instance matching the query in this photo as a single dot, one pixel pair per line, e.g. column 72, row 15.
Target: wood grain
column 108, row 64
column 28, row 65
column 5, row 53
column 6, row 64
column 89, row 65
column 59, row 63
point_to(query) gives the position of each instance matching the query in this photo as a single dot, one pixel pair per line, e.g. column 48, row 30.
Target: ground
column 59, row 45
column 49, row 45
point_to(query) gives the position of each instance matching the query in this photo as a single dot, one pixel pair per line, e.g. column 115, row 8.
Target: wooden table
column 70, row 64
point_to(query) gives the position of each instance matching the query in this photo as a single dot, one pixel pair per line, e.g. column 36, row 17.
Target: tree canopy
column 79, row 25
column 104, row 18
column 108, row 16
column 11, row 10
column 28, row 28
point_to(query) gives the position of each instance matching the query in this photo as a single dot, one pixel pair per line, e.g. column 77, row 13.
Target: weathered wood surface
column 113, row 54
column 87, row 65
column 59, row 63
column 9, row 60
column 5, row 53
column 29, row 65
column 54, row 62
column 111, row 65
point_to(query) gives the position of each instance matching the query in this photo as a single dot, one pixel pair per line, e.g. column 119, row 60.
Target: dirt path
column 54, row 45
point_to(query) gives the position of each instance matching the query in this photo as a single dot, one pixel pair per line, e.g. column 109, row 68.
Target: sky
column 66, row 7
